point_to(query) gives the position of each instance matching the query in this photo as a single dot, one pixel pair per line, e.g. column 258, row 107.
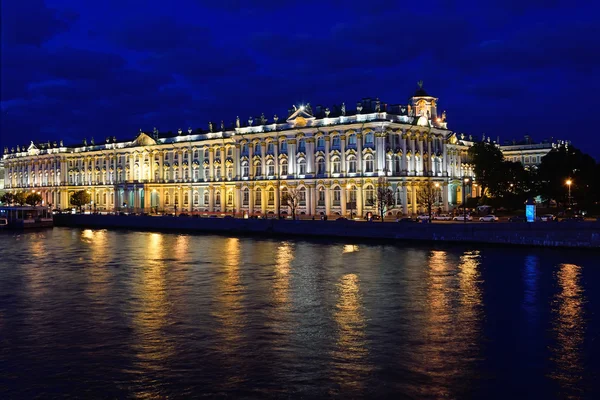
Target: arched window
column 196, row 198
column 271, row 197
column 352, row 194
column 245, row 197
column 369, row 139
column 352, row 139
column 302, row 197
column 257, row 197
column 206, row 173
column 270, row 168
column 320, row 142
column 257, row 169
column 176, row 197
column 335, row 141
column 302, row 166
column 369, row 163
column 321, row 200
column 206, row 197
column 301, row 146
column 230, row 197
column 337, row 196
column 284, row 167
column 320, row 166
column 270, row 149
column 369, row 196
column 230, row 152
column 229, row 170
column 389, row 162
column 167, row 199
column 283, row 148
column 245, row 169
column 217, row 197
column 186, row 198
column 217, row 172
column 218, row 153
column 351, row 164
column 245, row 149
column 257, row 149
column 335, row 161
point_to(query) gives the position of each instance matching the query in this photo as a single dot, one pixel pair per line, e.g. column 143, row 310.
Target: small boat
column 24, row 217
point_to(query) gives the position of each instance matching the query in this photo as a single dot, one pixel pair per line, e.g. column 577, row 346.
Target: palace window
column 257, row 149
column 284, row 146
column 217, row 198
column 369, row 139
column 230, row 197
column 337, row 196
column 186, row 199
column 284, row 167
column 302, row 146
column 352, row 140
column 167, row 199
column 302, row 197
column 270, row 149
column 271, row 197
column 335, row 142
column 335, row 161
column 206, row 173
column 270, row 168
column 302, row 166
column 351, row 164
column 245, row 196
column 229, row 170
column 217, row 172
column 369, row 195
column 321, row 201
column 320, row 143
column 320, row 166
column 230, row 152
column 217, row 153
column 283, row 197
column 352, row 194
column 245, row 149
column 206, row 197
column 245, row 169
column 257, row 169
column 196, row 198
column 257, row 197
column 369, row 163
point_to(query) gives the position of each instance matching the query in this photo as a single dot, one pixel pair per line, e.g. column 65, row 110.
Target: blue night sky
column 73, row 69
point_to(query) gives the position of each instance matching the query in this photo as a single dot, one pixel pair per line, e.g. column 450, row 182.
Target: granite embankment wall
column 561, row 234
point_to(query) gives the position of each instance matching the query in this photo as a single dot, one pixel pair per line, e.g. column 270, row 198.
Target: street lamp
column 465, row 181
column 569, row 182
column 349, row 187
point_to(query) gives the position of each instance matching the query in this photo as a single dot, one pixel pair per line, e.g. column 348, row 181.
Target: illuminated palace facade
column 331, row 157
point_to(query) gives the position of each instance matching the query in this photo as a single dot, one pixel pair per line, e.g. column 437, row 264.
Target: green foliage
column 80, row 198
column 33, row 199
column 7, row 198
column 20, row 198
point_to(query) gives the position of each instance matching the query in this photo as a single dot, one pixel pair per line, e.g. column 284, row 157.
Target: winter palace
column 331, row 157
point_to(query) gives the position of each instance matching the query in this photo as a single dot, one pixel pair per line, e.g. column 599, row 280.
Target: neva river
column 117, row 314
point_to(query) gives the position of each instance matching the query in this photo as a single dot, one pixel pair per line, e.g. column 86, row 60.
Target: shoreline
column 581, row 235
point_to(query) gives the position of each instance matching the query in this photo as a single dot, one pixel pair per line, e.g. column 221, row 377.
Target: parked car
column 488, row 218
column 466, row 217
column 548, row 218
column 423, row 217
column 518, row 218
column 443, row 217
column 406, row 219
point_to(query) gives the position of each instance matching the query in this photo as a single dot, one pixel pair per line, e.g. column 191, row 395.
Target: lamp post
column 349, row 187
column 569, row 182
column 465, row 181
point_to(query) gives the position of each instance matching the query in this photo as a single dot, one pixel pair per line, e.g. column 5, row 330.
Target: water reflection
column 151, row 315
column 530, row 279
column 97, row 273
column 453, row 322
column 351, row 366
column 281, row 277
column 569, row 328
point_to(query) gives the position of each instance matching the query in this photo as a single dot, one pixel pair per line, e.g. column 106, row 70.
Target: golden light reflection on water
column 351, row 366
column 350, row 248
column 228, row 299
column 97, row 271
column 151, row 314
column 453, row 320
column 569, row 328
column 35, row 271
column 281, row 278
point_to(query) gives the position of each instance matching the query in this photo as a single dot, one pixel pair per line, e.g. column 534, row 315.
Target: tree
column 568, row 162
column 487, row 159
column 8, row 198
column 428, row 196
column 33, row 199
column 291, row 197
column 80, row 199
column 20, row 198
column 384, row 197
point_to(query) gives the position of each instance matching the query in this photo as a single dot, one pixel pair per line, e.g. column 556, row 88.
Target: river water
column 120, row 314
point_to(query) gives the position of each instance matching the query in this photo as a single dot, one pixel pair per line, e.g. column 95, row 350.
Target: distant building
column 527, row 152
column 2, row 191
column 332, row 156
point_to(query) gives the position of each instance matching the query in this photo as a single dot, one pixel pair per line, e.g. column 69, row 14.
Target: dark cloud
column 31, row 22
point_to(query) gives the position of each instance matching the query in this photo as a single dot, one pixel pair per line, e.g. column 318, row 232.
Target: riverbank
column 563, row 234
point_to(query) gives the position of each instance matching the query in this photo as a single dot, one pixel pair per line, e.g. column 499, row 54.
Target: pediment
column 144, row 140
